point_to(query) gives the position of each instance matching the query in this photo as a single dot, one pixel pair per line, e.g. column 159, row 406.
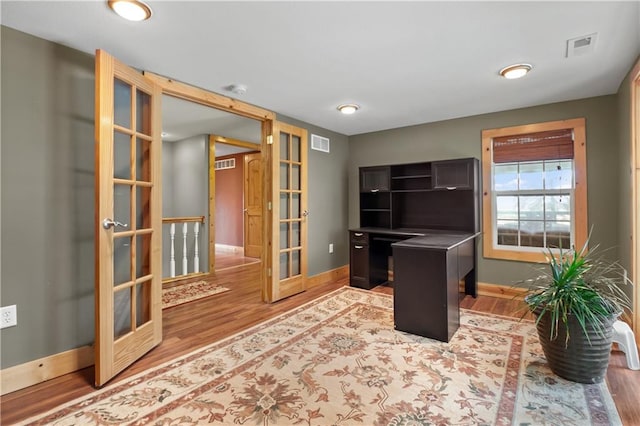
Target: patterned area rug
column 184, row 293
column 339, row 361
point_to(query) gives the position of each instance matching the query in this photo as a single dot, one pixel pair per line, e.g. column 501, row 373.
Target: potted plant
column 575, row 300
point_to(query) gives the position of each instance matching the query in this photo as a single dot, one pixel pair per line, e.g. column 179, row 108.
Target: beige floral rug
column 177, row 295
column 339, row 361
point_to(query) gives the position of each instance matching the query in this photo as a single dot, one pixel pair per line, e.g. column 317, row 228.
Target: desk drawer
column 359, row 237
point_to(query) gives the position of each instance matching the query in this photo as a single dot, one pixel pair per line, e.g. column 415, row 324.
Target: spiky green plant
column 583, row 284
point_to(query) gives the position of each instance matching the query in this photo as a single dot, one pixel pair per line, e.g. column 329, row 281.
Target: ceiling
column 404, row 63
column 182, row 119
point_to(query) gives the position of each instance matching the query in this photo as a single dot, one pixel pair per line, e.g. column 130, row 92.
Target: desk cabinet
column 426, row 289
column 359, row 259
column 453, row 174
column 425, row 292
column 367, row 266
column 374, row 179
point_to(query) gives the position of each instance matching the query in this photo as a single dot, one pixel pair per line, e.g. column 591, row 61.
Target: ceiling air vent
column 319, row 143
column 581, row 45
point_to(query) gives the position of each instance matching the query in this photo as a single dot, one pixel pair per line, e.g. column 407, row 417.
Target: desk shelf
column 439, row 194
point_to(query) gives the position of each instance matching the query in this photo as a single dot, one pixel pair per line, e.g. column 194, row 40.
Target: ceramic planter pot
column 579, row 360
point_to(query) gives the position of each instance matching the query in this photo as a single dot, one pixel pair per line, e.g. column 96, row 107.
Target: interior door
column 253, row 171
column 128, row 217
column 289, row 195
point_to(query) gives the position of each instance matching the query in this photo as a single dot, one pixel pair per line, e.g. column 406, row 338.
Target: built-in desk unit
column 427, row 216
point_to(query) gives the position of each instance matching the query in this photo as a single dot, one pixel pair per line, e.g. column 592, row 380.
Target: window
column 534, row 189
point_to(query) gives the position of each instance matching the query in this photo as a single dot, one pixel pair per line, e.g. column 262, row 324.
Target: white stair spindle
column 184, row 249
column 196, row 258
column 172, row 259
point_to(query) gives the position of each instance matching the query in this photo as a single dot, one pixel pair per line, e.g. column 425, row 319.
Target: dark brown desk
column 427, row 215
column 427, row 271
column 427, row 267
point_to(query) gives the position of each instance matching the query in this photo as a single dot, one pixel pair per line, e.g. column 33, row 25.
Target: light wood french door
column 289, row 224
column 128, row 260
column 253, row 201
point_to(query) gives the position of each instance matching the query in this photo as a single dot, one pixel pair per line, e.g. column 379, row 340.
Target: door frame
column 203, row 97
column 635, row 203
column 211, row 141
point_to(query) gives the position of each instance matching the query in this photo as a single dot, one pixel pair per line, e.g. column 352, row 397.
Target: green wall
column 462, row 138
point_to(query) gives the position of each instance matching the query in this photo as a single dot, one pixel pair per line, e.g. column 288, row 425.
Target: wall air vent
column 581, row 45
column 229, row 163
column 319, row 143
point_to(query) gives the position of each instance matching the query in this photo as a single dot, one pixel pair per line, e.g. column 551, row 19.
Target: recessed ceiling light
column 515, row 71
column 348, row 108
column 133, row 10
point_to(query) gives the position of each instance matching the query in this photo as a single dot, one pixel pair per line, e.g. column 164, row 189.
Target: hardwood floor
column 196, row 324
column 226, row 259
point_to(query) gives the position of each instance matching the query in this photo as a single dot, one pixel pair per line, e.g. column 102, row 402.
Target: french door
column 289, row 212
column 128, row 226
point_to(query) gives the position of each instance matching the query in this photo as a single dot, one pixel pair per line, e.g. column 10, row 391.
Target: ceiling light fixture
column 348, row 108
column 515, row 71
column 132, row 10
column 237, row 88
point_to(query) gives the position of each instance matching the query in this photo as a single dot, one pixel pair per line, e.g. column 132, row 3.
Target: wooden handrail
column 183, row 219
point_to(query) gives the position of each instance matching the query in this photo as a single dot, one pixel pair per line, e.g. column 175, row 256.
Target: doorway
column 238, row 202
column 203, row 187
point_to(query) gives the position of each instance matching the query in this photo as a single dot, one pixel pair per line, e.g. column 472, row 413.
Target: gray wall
column 328, row 205
column 185, row 192
column 47, row 196
column 625, row 219
column 462, row 138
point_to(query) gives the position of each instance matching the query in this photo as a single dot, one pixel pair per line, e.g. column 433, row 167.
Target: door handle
column 110, row 223
column 359, row 247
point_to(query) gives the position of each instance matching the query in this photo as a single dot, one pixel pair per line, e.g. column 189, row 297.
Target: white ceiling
column 182, row 119
column 404, row 62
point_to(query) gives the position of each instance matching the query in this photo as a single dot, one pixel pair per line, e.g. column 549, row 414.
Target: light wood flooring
column 195, row 324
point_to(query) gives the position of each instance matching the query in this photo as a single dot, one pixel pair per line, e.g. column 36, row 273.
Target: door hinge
column 269, row 205
column 270, row 140
column 268, row 272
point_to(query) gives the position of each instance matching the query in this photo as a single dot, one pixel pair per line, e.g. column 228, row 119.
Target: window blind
column 548, row 145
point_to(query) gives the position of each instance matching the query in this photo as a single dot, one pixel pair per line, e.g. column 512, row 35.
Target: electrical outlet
column 8, row 316
column 331, row 248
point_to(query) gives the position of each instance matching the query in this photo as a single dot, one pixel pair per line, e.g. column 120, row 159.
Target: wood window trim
column 580, row 193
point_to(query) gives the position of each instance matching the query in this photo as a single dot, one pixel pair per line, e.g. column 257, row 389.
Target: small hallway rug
column 338, row 361
column 177, row 295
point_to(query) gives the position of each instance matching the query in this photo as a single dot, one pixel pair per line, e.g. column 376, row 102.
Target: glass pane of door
column 290, row 204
